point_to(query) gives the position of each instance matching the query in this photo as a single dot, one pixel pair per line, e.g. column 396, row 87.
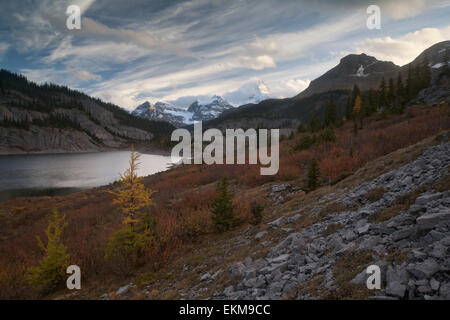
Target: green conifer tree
column 313, row 175
column 222, row 207
column 391, row 92
column 426, row 73
column 400, row 87
column 330, row 113
column 349, row 108
column 382, row 93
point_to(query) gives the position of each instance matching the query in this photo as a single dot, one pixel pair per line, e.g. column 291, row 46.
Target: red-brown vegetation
column 184, row 196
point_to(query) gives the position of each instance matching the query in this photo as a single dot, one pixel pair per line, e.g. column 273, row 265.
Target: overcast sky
column 131, row 51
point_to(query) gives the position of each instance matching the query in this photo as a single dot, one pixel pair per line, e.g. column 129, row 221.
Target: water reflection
column 52, row 174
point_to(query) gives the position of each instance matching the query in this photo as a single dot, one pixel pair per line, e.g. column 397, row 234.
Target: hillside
column 51, row 118
column 307, row 243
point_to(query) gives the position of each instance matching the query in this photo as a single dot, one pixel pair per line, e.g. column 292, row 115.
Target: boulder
column 278, row 223
column 396, row 289
column 237, row 270
column 294, row 218
column 205, row 276
column 259, row 235
column 125, row 289
column 424, row 270
column 429, row 221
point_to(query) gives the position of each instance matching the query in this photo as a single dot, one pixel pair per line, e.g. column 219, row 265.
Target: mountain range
column 203, row 108
column 52, row 118
column 197, row 111
column 254, row 104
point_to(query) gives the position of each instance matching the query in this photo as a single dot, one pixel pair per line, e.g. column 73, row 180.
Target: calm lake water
column 57, row 174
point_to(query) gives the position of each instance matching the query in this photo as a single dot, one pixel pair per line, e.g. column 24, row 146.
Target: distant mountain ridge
column 197, row 111
column 201, row 108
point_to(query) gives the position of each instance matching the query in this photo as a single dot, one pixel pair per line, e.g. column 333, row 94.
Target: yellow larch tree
column 133, row 196
column 357, row 106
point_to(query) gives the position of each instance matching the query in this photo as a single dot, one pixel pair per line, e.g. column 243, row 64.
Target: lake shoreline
column 53, row 174
column 140, row 149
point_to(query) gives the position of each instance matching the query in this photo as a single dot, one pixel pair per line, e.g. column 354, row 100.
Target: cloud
column 87, row 76
column 295, row 86
column 262, row 46
column 403, row 49
column 142, row 39
column 3, row 48
column 68, row 77
column 257, row 63
column 403, row 9
column 86, row 55
column 396, row 9
column 162, row 50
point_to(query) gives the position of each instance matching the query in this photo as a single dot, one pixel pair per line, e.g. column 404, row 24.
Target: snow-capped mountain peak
column 210, row 109
column 197, row 111
column 251, row 92
column 263, row 88
column 163, row 111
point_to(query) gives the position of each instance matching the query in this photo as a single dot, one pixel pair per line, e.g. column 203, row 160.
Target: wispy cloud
column 402, row 50
column 3, row 48
column 127, row 52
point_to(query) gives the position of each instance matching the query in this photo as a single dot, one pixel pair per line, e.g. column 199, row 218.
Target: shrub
column 304, row 143
column 125, row 249
column 52, row 268
column 222, row 207
column 301, row 128
column 375, row 194
column 256, row 209
column 328, row 135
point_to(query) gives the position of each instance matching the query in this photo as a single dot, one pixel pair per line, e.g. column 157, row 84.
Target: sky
column 127, row 52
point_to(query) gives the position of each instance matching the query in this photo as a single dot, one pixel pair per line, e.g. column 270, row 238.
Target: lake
column 58, row 174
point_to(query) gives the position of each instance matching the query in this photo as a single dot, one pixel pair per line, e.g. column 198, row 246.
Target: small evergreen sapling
column 222, row 207
column 313, row 175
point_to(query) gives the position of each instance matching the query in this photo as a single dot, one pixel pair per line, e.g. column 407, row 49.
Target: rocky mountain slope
column 363, row 70
column 393, row 213
column 50, row 118
column 410, row 248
